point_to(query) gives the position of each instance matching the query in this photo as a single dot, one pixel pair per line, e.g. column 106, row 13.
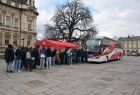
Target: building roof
column 33, row 8
column 132, row 38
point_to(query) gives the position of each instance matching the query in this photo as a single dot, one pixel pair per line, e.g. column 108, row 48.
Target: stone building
column 131, row 44
column 17, row 23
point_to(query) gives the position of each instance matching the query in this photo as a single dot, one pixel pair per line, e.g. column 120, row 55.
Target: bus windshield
column 93, row 45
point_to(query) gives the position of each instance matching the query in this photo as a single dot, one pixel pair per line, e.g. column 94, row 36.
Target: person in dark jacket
column 9, row 58
column 42, row 57
column 53, row 56
column 49, row 58
column 18, row 54
column 29, row 61
column 37, row 57
column 23, row 59
column 78, row 55
column 62, row 57
column 74, row 56
column 33, row 54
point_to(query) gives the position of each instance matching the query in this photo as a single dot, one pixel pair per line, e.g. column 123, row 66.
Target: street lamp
column 23, row 42
column 1, row 34
column 20, row 20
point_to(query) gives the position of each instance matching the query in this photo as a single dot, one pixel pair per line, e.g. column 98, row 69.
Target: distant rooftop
column 130, row 38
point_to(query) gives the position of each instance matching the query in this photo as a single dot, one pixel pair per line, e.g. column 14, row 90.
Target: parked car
column 134, row 53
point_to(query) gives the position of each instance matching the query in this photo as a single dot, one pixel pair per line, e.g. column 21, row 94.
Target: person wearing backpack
column 29, row 60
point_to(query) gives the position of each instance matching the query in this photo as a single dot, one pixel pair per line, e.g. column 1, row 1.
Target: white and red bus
column 104, row 49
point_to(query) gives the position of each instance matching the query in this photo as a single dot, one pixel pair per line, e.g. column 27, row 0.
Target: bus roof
column 103, row 37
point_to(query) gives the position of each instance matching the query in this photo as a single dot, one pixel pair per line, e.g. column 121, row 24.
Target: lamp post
column 23, row 42
column 0, row 34
column 20, row 21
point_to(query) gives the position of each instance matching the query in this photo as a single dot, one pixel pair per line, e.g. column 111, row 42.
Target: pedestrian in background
column 69, row 56
column 23, row 58
column 53, row 56
column 37, row 57
column 29, row 60
column 49, row 58
column 42, row 57
column 78, row 55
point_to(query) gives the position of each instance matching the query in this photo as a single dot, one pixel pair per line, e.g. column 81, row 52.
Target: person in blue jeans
column 42, row 57
column 18, row 54
column 78, row 56
column 9, row 58
column 53, row 57
column 49, row 58
column 69, row 56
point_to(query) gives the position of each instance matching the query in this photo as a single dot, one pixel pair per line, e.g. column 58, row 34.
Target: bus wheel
column 106, row 59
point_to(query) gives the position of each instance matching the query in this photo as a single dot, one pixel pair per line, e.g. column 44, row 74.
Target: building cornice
column 28, row 8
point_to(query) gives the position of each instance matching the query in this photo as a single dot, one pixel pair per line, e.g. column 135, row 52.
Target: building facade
column 131, row 44
column 17, row 23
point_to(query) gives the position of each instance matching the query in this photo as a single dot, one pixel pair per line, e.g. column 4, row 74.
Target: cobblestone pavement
column 113, row 78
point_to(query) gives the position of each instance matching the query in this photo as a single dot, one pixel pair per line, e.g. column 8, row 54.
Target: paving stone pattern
column 113, row 78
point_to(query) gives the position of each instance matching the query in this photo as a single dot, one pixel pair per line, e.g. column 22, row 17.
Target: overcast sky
column 118, row 18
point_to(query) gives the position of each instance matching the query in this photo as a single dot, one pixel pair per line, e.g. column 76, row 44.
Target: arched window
column 137, row 44
column 0, row 19
column 8, row 21
column 30, row 2
column 29, row 40
column 15, row 38
column 16, row 22
column 7, row 37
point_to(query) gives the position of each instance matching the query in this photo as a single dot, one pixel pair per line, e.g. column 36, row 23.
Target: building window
column 15, row 42
column 9, row 2
column 0, row 18
column 33, row 3
column 127, row 45
column 16, row 22
column 29, row 40
column 16, row 4
column 6, row 42
column 8, row 21
column 7, row 37
column 28, row 43
column 29, row 26
column 30, row 2
column 15, row 38
column 136, row 44
column 132, row 45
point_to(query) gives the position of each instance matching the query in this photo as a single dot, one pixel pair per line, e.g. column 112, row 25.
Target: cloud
column 116, row 17
column 45, row 14
column 112, row 17
column 39, row 36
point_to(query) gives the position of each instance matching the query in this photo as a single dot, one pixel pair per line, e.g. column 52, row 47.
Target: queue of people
column 26, row 59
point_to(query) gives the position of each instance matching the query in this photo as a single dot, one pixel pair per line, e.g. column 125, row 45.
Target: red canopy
column 57, row 44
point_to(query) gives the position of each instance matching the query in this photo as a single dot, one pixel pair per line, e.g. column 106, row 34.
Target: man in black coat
column 9, row 58
column 18, row 55
column 49, row 57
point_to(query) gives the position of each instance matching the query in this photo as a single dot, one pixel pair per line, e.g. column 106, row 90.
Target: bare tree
column 72, row 22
